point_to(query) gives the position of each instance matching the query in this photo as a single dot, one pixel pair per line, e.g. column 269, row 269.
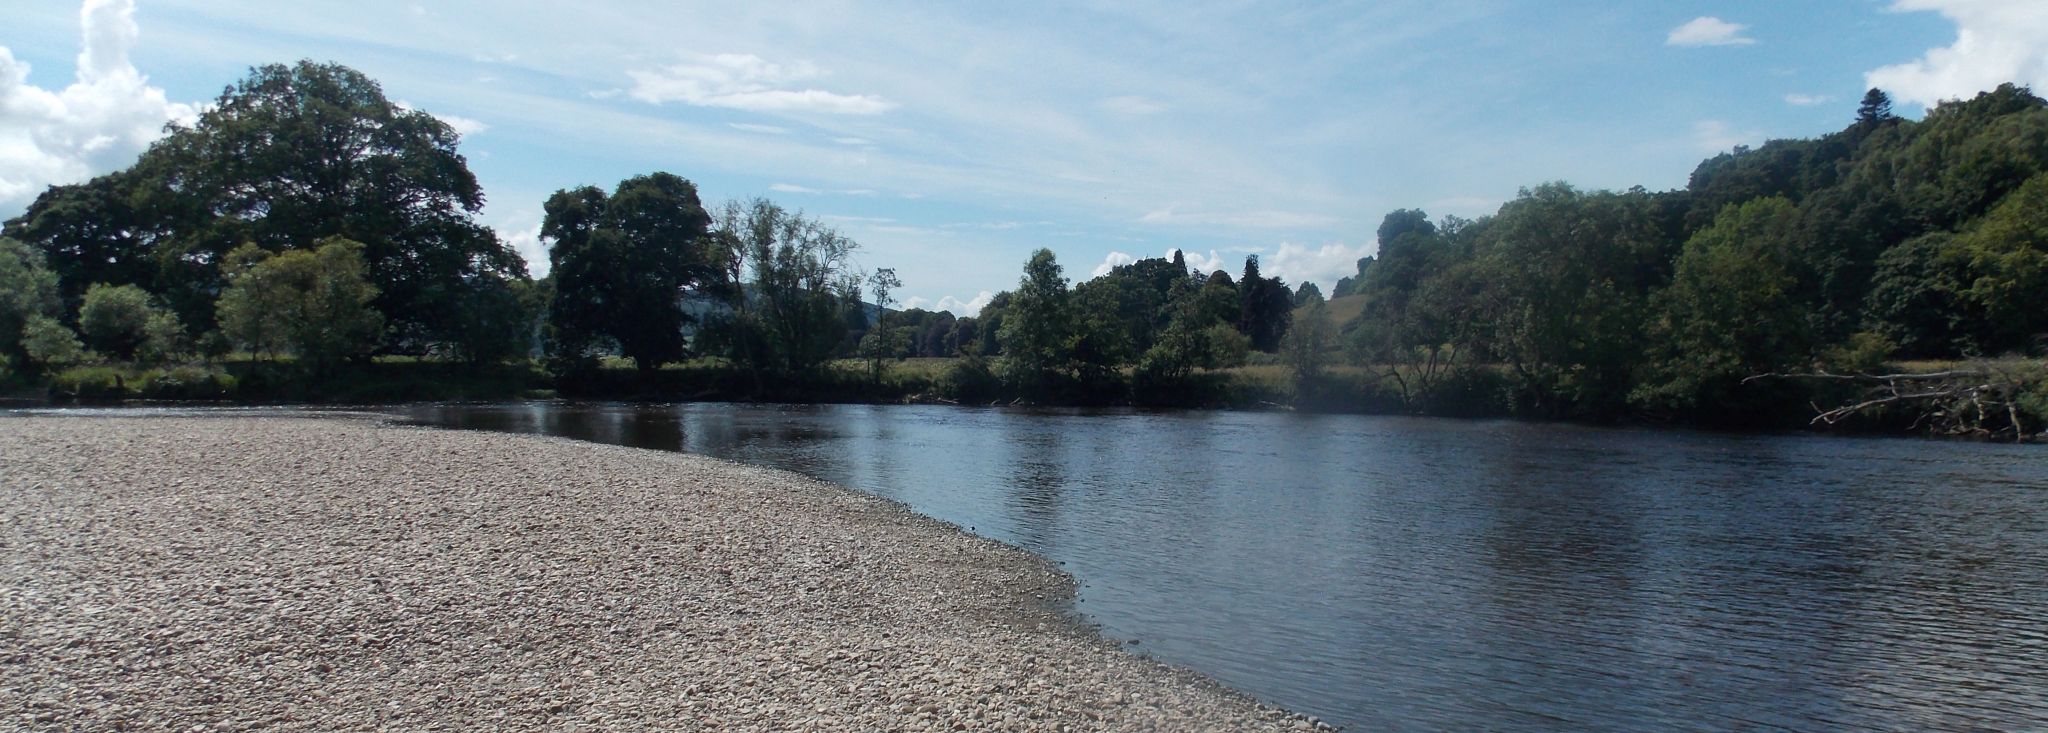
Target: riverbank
column 2004, row 399
column 334, row 574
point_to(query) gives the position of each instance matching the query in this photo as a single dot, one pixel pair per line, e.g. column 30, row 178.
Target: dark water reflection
column 1408, row 574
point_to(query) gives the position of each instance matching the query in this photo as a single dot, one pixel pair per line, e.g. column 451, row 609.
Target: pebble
column 343, row 574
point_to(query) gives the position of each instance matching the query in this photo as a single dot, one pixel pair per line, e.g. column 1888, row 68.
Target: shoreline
column 463, row 577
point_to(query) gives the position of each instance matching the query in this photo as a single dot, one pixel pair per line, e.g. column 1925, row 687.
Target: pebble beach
column 280, row 573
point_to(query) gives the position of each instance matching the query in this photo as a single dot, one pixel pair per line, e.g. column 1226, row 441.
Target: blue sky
column 951, row 139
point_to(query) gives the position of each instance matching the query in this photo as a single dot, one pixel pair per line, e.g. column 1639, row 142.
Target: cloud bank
column 748, row 82
column 1997, row 41
column 101, row 122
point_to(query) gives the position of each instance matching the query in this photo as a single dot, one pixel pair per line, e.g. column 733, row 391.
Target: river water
column 1419, row 574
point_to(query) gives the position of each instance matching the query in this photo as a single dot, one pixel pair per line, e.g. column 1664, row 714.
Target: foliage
column 50, row 343
column 284, row 159
column 1306, row 347
column 313, row 304
column 1729, row 312
column 28, row 292
column 494, row 319
column 620, row 266
column 121, row 321
column 786, row 279
column 880, row 342
column 1265, row 307
column 1036, row 334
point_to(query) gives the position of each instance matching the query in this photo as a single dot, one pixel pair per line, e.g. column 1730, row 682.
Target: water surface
column 1417, row 574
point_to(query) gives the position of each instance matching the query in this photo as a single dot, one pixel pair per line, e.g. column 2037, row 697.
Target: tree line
column 305, row 219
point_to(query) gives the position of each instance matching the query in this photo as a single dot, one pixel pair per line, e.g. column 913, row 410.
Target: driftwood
column 1976, row 401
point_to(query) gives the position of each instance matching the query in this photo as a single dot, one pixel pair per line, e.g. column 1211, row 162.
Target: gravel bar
column 243, row 573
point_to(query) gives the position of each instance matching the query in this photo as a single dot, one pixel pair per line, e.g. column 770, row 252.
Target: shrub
column 96, row 382
column 186, row 383
column 970, row 379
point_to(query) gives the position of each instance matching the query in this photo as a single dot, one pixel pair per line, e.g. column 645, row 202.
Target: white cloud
column 1256, row 219
column 967, row 307
column 1715, row 136
column 1323, row 265
column 915, row 303
column 1132, row 106
column 1997, row 41
column 1113, row 261
column 762, row 129
column 748, row 82
column 1708, row 31
column 1206, row 264
column 463, row 126
column 1807, row 100
column 99, row 123
column 853, row 141
column 526, row 241
column 807, row 190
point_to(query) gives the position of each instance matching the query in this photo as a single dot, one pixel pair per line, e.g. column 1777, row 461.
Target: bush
column 123, row 322
column 970, row 379
column 187, row 383
column 96, row 382
column 50, row 343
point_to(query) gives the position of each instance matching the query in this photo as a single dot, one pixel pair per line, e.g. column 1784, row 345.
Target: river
column 1422, row 574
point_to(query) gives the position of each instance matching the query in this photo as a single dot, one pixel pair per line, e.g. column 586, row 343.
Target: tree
column 2005, row 258
column 879, row 342
column 789, row 286
column 314, row 304
column 620, row 265
column 28, row 289
column 1566, row 274
column 1306, row 346
column 91, row 233
column 1729, row 313
column 122, row 321
column 1875, row 108
column 1307, row 293
column 495, row 318
column 50, row 343
column 1266, row 306
column 1037, row 329
column 283, row 159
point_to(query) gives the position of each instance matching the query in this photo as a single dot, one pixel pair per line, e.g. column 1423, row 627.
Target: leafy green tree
column 1265, row 307
column 1875, row 108
column 28, row 291
column 1307, row 293
column 880, row 342
column 1038, row 329
column 1569, row 273
column 1729, row 313
column 286, row 157
column 789, row 284
column 2006, row 258
column 315, row 304
column 51, row 344
column 620, row 264
column 1916, row 299
column 122, row 321
column 494, row 319
column 1306, row 347
column 92, row 233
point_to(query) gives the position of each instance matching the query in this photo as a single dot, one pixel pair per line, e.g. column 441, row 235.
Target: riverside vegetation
column 308, row 239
